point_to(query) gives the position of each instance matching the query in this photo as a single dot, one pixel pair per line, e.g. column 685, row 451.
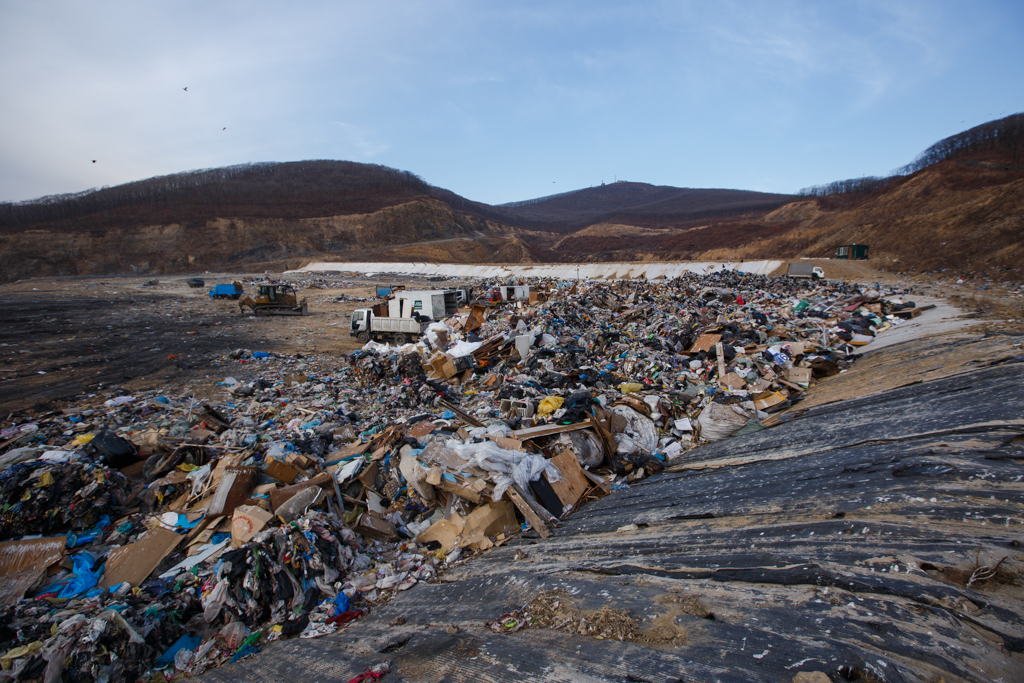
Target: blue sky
column 499, row 101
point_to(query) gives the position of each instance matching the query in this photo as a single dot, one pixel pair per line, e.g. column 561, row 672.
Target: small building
column 857, row 252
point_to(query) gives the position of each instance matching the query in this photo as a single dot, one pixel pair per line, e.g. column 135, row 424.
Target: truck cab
column 360, row 324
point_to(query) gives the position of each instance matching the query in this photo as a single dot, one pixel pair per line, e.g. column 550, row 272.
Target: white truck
column 366, row 326
column 404, row 317
column 805, row 270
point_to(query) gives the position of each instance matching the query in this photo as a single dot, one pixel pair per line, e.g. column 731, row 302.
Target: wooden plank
column 574, row 483
column 464, row 416
column 535, row 521
column 548, row 430
column 720, row 355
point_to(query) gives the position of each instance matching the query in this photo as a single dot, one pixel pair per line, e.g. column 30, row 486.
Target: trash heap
column 147, row 535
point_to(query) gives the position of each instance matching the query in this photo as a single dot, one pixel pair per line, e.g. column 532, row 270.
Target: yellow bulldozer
column 274, row 300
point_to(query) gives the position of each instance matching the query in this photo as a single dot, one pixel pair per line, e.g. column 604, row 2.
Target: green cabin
column 857, row 252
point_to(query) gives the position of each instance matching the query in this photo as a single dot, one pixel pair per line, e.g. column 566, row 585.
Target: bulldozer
column 274, row 300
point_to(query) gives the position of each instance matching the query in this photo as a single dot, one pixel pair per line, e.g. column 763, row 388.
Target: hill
column 958, row 205
column 229, row 217
column 637, row 204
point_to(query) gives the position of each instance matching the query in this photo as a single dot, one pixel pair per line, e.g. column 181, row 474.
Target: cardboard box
column 768, row 399
column 248, row 520
column 472, row 530
column 447, row 532
column 373, row 525
column 800, row 376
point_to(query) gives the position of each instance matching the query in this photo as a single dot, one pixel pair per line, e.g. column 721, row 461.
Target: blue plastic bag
column 85, row 579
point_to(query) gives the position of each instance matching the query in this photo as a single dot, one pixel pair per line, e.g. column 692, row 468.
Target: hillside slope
column 961, row 215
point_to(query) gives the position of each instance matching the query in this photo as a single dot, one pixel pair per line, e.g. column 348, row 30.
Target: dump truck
column 366, row 326
column 274, row 300
column 232, row 291
column 433, row 304
column 805, row 270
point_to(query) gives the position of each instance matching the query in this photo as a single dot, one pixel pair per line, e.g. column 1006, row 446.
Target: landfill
column 146, row 535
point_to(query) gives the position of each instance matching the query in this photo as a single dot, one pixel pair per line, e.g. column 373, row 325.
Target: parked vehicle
column 195, row 282
column 805, row 270
column 232, row 291
column 366, row 326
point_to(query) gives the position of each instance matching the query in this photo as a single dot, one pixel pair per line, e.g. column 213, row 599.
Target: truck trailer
column 433, row 304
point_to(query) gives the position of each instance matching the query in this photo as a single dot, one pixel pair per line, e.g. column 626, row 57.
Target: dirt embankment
column 224, row 242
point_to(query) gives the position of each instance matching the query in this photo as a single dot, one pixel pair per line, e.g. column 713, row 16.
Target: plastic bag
column 85, row 579
column 549, row 405
column 508, row 467
column 214, row 600
column 639, row 428
column 234, row 634
column 115, row 451
column 199, row 477
column 719, row 422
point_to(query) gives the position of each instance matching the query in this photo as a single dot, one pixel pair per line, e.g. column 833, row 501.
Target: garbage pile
column 148, row 535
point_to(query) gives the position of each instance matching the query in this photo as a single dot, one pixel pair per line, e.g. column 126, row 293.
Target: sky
column 499, row 101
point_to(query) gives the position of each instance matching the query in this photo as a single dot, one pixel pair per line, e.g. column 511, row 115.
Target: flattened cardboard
column 573, row 483
column 734, row 381
column 247, row 521
column 135, row 562
column 705, row 342
column 232, row 490
column 369, row 475
column 23, row 564
column 422, row 428
column 282, row 472
column 507, row 443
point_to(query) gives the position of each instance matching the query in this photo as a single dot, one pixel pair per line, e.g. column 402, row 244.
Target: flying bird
column 224, row 128
column 185, row 89
column 94, row 161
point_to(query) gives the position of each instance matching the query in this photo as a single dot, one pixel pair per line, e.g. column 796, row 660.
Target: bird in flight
column 224, row 128
column 94, row 161
column 185, row 88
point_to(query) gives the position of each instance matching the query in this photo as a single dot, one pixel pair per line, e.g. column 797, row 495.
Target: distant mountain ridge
column 966, row 189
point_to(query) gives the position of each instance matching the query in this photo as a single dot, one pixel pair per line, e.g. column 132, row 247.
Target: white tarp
column 563, row 271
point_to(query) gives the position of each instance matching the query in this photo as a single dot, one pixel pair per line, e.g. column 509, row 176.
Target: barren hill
column 959, row 205
column 257, row 213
